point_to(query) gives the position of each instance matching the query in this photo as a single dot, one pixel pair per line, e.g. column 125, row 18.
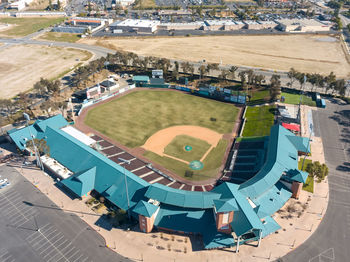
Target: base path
column 157, row 142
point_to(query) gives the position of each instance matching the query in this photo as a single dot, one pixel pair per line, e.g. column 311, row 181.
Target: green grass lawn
column 259, row 97
column 211, row 163
column 60, row 37
column 133, row 118
column 309, row 184
column 259, row 120
column 26, row 26
column 176, row 148
column 294, row 99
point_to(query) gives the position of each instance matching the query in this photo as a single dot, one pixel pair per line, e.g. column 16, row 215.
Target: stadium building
column 229, row 214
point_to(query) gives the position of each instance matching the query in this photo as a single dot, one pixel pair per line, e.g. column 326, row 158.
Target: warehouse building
column 302, row 25
column 135, row 25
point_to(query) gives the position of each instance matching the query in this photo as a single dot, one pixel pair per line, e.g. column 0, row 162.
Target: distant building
column 226, row 25
column 302, row 25
column 181, row 26
column 135, row 25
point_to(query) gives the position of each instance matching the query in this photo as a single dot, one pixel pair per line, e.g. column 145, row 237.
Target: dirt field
column 306, row 53
column 22, row 65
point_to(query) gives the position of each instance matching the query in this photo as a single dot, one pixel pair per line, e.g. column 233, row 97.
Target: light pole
column 307, row 148
column 37, row 156
column 126, row 183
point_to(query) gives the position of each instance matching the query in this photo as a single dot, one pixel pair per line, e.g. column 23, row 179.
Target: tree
column 330, row 80
column 185, row 67
column 232, row 71
column 257, row 81
column 242, row 76
column 41, row 145
column 250, row 76
column 301, row 77
column 275, row 86
column 191, row 69
column 292, row 76
column 58, row 5
column 9, row 107
column 202, row 70
column 40, row 87
column 224, row 73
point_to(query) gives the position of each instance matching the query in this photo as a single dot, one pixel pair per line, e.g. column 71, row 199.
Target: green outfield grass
column 294, row 99
column 176, row 148
column 211, row 163
column 259, row 121
column 26, row 26
column 133, row 118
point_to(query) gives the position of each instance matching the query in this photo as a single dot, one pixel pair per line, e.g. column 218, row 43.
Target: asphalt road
column 330, row 242
column 61, row 236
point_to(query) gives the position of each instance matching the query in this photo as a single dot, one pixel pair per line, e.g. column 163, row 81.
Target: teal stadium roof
column 145, row 209
column 180, row 210
column 282, row 156
column 181, row 198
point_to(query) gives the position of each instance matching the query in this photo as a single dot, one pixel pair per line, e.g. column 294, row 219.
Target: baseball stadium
column 172, row 161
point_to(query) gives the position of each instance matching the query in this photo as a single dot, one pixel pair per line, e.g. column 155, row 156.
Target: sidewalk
column 155, row 246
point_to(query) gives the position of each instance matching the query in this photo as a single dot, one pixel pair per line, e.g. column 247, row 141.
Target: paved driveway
column 331, row 241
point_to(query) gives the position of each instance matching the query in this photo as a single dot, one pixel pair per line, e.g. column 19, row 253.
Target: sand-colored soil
column 22, row 65
column 306, row 53
column 157, row 142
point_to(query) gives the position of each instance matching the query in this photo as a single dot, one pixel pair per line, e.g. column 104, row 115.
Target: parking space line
column 58, row 239
column 81, row 255
column 76, row 252
column 65, row 241
column 85, row 259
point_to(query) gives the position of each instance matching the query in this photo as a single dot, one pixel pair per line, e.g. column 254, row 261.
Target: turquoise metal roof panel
column 270, row 226
column 77, row 157
column 225, row 205
column 145, row 209
column 185, row 220
column 181, row 198
column 82, row 182
column 281, row 154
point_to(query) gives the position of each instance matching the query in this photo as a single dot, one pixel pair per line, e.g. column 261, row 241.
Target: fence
column 105, row 97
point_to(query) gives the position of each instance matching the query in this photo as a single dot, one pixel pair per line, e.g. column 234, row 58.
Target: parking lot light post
column 126, row 183
column 307, row 147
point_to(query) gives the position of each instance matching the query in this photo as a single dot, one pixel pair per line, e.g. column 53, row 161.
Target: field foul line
column 178, row 159
column 206, row 153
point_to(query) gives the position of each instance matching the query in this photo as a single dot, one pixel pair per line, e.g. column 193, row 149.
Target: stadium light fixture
column 126, row 183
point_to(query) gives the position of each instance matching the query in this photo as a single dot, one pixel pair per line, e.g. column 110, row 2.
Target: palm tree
column 275, row 86
column 232, row 71
column 224, row 73
column 292, row 76
column 202, row 70
column 242, row 76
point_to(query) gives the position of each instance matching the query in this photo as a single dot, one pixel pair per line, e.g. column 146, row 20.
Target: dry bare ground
column 306, row 53
column 23, row 65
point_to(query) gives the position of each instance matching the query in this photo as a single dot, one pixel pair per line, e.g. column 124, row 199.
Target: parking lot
column 32, row 228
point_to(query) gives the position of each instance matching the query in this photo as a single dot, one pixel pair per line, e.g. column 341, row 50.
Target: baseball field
column 181, row 132
column 306, row 53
